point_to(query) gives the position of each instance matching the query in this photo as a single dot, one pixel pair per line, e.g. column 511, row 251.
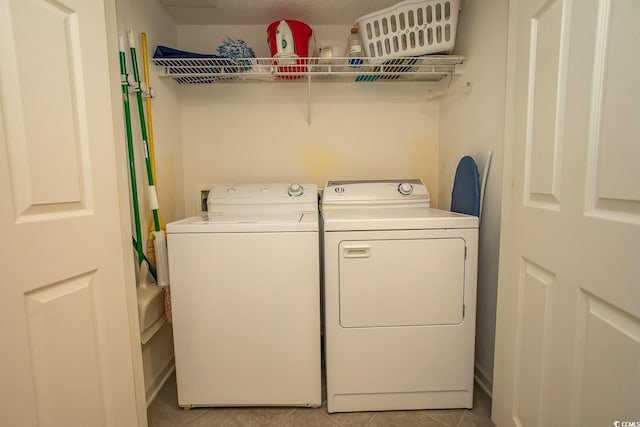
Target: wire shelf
column 224, row 70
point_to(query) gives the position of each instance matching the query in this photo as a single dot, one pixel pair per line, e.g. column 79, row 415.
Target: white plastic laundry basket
column 410, row 28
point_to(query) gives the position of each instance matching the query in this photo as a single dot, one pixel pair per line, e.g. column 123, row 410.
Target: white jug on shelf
column 285, row 43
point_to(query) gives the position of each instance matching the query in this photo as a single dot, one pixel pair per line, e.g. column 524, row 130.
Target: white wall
column 472, row 124
column 259, row 132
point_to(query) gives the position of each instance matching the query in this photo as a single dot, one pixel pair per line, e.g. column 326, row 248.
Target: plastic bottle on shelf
column 354, row 48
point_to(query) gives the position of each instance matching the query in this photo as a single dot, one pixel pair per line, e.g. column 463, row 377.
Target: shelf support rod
column 435, row 94
column 308, row 97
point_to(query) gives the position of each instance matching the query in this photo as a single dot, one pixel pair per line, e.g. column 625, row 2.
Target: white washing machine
column 400, row 298
column 245, row 294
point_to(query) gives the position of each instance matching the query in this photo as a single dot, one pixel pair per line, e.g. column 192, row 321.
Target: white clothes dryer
column 245, row 292
column 400, row 298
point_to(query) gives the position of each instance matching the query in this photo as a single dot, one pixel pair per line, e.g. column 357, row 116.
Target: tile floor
column 165, row 412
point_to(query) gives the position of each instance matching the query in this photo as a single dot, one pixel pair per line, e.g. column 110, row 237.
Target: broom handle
column 153, row 197
column 147, row 100
column 132, row 167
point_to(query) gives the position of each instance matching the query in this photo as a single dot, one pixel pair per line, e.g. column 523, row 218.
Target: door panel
column 609, row 351
column 47, row 118
column 532, row 340
column 66, row 341
column 567, row 341
column 612, row 171
column 544, row 144
column 61, row 326
column 411, row 282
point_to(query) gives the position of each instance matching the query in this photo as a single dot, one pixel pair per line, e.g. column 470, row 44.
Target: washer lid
column 395, row 219
column 243, row 222
column 390, row 193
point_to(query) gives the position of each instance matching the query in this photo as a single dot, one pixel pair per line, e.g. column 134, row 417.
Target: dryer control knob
column 405, row 188
column 295, row 190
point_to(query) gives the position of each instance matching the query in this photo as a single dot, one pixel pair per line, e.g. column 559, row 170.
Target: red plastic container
column 301, row 34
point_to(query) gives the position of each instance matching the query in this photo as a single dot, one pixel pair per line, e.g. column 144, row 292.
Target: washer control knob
column 295, row 190
column 405, row 188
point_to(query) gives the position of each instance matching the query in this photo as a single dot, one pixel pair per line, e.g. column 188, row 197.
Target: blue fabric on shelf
column 465, row 197
column 183, row 62
column 168, row 52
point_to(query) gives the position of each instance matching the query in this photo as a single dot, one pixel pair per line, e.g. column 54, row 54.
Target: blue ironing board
column 465, row 197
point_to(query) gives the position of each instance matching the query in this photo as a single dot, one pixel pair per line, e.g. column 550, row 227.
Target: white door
column 66, row 349
column 568, row 329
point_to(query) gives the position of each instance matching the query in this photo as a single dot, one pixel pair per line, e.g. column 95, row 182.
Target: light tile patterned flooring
column 164, row 412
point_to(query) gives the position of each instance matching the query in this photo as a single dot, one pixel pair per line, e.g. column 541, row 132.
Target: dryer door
column 412, row 282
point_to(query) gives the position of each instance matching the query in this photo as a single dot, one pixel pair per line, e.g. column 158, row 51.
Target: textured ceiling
column 261, row 12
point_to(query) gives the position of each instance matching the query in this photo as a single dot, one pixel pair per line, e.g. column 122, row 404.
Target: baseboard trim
column 159, row 380
column 483, row 380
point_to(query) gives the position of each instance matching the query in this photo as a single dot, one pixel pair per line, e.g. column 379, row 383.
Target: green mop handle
column 153, row 197
column 132, row 167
